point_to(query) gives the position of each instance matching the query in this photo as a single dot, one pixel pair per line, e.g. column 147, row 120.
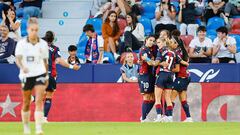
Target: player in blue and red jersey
column 54, row 58
column 168, row 63
column 182, row 81
column 146, row 76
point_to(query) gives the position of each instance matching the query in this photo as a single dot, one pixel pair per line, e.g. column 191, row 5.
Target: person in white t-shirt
column 133, row 33
column 165, row 15
column 32, row 60
column 224, row 47
column 200, row 47
column 94, row 48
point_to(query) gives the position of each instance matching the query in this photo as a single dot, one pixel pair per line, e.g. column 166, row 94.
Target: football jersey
column 54, row 53
column 32, row 57
column 170, row 57
column 144, row 67
column 183, row 72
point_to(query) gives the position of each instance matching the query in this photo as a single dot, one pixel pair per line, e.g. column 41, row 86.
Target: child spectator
column 165, row 15
column 186, row 17
column 7, row 46
column 94, row 48
column 200, row 47
column 224, row 47
column 134, row 33
column 73, row 59
column 111, row 34
column 129, row 69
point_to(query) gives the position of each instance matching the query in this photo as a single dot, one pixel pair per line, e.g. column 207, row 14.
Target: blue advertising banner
column 111, row 73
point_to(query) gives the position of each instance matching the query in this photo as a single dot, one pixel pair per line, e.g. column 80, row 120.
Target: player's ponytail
column 181, row 45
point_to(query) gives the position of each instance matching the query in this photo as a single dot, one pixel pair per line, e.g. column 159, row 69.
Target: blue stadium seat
column 97, row 24
column 176, row 5
column 15, row 1
column 149, row 9
column 147, row 24
column 237, row 37
column 155, row 1
column 212, row 37
column 212, row 32
column 214, row 23
column 110, row 57
column 81, row 46
column 24, row 27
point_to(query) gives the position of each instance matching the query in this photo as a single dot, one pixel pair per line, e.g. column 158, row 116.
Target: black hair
column 183, row 49
column 201, row 28
column 49, row 37
column 176, row 33
column 88, row 27
column 149, row 37
column 134, row 20
column 7, row 21
column 72, row 48
column 223, row 30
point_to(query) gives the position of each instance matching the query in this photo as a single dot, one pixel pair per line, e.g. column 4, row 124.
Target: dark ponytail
column 182, row 47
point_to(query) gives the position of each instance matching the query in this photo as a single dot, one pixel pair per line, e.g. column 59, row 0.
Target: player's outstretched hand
column 76, row 67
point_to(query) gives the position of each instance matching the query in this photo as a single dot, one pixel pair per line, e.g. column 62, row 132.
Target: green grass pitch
column 110, row 128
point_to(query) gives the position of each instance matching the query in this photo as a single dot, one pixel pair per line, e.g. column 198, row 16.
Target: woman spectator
column 165, row 15
column 129, row 69
column 216, row 8
column 186, row 17
column 224, row 47
column 111, row 33
column 200, row 47
column 134, row 33
column 13, row 24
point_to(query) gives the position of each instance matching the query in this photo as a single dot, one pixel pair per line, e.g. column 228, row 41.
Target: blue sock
column 158, row 108
column 47, row 106
column 144, row 109
column 150, row 106
column 169, row 111
column 186, row 108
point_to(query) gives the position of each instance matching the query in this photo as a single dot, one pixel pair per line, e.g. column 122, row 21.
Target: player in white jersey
column 32, row 59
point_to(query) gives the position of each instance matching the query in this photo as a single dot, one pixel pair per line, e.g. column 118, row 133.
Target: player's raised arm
column 63, row 63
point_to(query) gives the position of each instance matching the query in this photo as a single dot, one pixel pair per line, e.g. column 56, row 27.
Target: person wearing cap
column 200, row 47
column 224, row 47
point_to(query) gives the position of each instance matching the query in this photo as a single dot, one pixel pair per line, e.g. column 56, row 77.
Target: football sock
column 38, row 115
column 169, row 111
column 158, row 108
column 150, row 106
column 25, row 117
column 186, row 108
column 144, row 109
column 47, row 106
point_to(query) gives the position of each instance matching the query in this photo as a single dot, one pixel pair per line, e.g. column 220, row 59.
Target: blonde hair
column 32, row 20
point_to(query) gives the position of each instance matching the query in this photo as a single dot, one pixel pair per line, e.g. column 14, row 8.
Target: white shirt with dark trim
column 223, row 51
column 32, row 57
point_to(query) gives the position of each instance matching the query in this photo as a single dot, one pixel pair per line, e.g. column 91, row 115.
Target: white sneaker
column 159, row 118
column 45, row 120
column 167, row 119
column 116, row 56
column 40, row 132
column 189, row 119
column 146, row 120
column 26, row 130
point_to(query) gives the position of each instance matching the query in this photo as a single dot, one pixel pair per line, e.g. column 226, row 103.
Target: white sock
column 25, row 117
column 38, row 115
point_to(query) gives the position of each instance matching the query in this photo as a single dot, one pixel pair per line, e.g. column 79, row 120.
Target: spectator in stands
column 199, row 6
column 73, row 59
column 134, row 33
column 186, row 17
column 165, row 15
column 94, row 48
column 200, row 47
column 13, row 24
column 111, row 34
column 232, row 8
column 224, row 47
column 215, row 8
column 129, row 69
column 7, row 46
column 31, row 8
column 5, row 5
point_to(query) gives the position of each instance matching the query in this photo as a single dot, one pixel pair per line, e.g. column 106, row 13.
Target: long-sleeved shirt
column 138, row 32
column 7, row 48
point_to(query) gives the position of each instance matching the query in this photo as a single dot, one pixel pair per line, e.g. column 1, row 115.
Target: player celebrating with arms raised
column 146, row 77
column 54, row 57
column 32, row 60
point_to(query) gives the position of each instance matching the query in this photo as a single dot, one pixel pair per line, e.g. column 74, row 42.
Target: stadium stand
column 149, row 9
column 147, row 24
column 213, row 24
